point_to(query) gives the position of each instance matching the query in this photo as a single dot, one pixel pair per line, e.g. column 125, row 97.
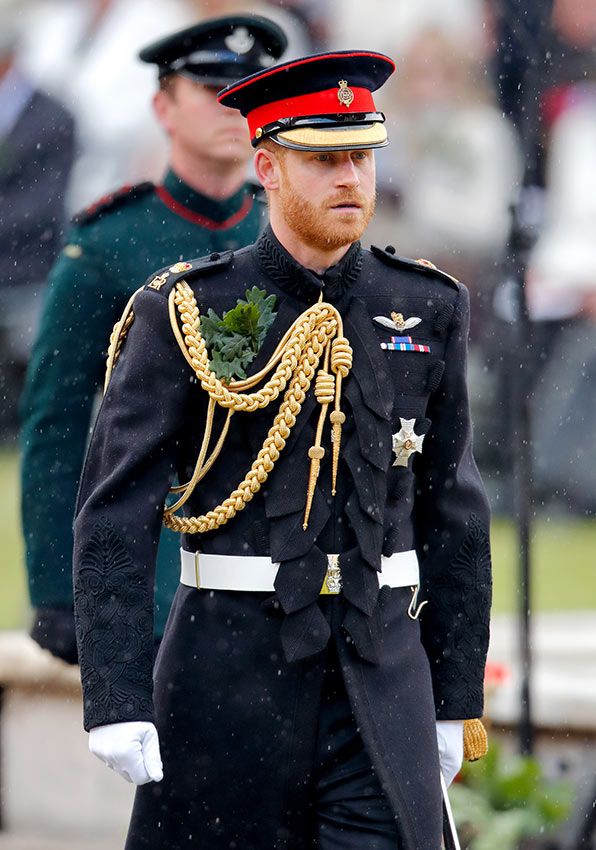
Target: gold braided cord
column 475, row 740
column 324, row 393
column 202, row 469
column 315, row 328
column 199, row 470
column 341, row 363
column 118, row 336
column 295, row 360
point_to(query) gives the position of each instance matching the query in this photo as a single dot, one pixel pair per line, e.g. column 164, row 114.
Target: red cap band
column 301, row 106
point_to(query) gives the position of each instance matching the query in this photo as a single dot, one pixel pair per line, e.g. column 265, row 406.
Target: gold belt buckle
column 332, row 581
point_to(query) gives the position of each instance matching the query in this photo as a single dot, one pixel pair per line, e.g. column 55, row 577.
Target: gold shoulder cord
column 118, row 336
column 317, row 334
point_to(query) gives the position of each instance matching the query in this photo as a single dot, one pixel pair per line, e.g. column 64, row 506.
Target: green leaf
column 210, row 327
column 260, row 299
column 243, row 319
column 234, row 340
column 226, row 370
column 236, row 351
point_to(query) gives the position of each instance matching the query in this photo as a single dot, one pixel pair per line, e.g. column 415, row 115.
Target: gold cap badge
column 180, row 267
column 345, row 95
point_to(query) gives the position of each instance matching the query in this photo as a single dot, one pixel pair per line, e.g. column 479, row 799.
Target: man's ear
column 267, row 168
column 161, row 103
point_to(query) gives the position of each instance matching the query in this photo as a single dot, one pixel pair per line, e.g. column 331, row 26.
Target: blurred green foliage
column 504, row 798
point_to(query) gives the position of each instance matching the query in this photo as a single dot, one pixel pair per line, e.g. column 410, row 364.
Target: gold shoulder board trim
column 429, row 265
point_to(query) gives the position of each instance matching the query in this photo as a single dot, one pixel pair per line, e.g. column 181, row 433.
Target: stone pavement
column 564, row 670
column 56, row 796
column 38, row 842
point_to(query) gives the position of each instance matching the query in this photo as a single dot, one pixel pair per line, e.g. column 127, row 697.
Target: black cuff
column 53, row 629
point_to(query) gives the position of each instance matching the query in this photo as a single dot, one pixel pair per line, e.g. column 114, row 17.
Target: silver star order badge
column 406, row 442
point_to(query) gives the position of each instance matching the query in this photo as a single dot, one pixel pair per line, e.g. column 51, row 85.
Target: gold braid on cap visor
column 334, row 138
column 315, row 336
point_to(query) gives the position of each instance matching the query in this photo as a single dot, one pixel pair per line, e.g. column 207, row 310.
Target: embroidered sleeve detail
column 456, row 630
column 114, row 631
column 472, row 562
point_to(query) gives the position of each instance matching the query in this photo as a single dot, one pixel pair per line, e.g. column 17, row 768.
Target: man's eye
column 322, row 157
column 360, row 154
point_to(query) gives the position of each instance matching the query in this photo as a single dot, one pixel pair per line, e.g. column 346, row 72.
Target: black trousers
column 259, row 754
column 351, row 810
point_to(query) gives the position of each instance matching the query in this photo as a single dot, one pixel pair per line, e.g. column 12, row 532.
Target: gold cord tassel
column 341, row 363
column 325, row 393
column 316, row 455
column 475, row 740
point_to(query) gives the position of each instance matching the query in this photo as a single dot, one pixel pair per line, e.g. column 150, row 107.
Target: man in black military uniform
column 331, row 624
column 203, row 204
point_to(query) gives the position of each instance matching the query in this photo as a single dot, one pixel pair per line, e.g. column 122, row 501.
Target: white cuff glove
column 450, row 738
column 131, row 749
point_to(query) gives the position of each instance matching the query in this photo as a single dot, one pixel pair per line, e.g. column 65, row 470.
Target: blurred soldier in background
column 36, row 155
column 203, row 205
column 83, row 52
column 455, row 167
column 550, row 91
column 561, row 278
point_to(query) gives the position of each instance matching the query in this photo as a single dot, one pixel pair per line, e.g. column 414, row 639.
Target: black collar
column 302, row 283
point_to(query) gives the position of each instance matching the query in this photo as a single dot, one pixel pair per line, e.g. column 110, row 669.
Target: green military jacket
column 112, row 248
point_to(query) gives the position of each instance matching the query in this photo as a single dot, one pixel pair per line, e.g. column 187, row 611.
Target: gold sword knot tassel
column 316, row 454
column 341, row 363
column 324, row 393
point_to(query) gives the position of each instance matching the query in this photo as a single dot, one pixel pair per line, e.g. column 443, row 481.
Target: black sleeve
column 127, row 473
column 452, row 534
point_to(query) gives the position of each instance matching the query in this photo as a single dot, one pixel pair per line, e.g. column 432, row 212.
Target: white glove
column 450, row 738
column 131, row 749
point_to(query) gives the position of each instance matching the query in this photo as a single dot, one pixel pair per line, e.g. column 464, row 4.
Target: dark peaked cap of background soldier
column 218, row 51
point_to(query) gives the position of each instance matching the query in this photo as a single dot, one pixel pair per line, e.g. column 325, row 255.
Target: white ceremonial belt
column 256, row 573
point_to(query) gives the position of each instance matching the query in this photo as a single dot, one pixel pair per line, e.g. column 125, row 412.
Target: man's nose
column 347, row 174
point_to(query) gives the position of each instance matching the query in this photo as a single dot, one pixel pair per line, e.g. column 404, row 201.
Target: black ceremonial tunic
column 238, row 678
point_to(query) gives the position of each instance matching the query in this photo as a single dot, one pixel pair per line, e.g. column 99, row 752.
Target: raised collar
column 210, row 213
column 302, row 283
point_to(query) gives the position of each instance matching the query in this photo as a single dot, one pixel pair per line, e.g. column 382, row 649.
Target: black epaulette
column 113, row 200
column 164, row 279
column 389, row 257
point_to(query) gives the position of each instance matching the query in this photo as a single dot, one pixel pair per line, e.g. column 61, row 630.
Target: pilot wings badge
column 397, row 322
